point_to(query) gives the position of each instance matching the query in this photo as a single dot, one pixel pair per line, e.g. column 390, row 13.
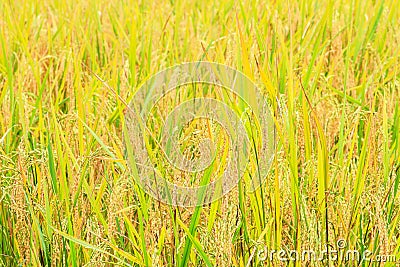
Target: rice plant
column 329, row 71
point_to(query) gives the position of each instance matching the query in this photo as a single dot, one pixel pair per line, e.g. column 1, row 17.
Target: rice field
column 329, row 72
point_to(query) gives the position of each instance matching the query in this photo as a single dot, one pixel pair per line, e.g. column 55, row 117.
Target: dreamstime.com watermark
column 340, row 253
column 218, row 93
